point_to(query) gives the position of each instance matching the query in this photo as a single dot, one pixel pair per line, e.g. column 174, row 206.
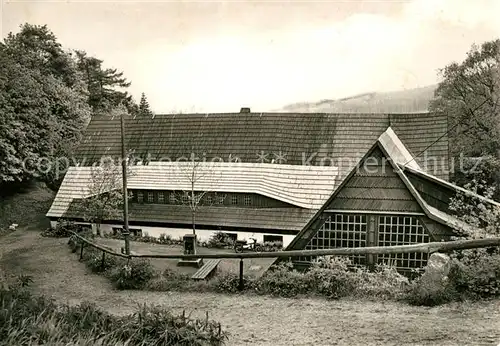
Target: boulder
column 436, row 273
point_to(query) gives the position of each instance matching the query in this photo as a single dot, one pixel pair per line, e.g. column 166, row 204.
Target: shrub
column 93, row 259
column 270, row 246
column 332, row 277
column 283, row 281
column 165, row 239
column 383, row 283
column 29, row 320
column 228, row 282
column 220, row 240
column 477, row 273
column 473, row 275
column 62, row 230
column 133, row 275
column 75, row 242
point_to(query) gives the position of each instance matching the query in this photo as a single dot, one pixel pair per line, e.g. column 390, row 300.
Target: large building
column 274, row 175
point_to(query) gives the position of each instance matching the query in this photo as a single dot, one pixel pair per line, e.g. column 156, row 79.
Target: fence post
column 103, row 258
column 81, row 251
column 241, row 286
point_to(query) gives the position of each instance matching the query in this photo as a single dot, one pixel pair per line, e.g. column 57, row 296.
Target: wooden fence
column 374, row 250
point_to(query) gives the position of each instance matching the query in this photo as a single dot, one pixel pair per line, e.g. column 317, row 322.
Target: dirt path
column 257, row 320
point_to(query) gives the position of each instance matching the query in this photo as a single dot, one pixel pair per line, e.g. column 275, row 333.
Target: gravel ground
column 257, row 320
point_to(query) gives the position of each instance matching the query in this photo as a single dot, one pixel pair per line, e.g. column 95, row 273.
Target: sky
column 202, row 56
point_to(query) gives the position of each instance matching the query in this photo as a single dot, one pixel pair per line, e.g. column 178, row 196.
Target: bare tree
column 194, row 173
column 105, row 199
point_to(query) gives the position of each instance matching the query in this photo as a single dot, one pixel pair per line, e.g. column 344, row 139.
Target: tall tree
column 105, row 86
column 144, row 109
column 470, row 94
column 36, row 48
column 42, row 111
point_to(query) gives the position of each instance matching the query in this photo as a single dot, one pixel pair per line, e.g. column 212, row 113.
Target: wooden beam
column 373, row 250
column 375, row 212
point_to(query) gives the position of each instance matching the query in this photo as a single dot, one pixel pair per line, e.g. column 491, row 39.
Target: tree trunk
column 99, row 230
column 193, row 220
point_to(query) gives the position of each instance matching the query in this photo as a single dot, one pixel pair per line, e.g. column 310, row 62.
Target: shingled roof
column 301, row 186
column 280, row 157
column 296, row 139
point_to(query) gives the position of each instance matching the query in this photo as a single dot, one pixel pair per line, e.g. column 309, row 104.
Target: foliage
column 332, row 277
column 417, row 294
column 270, row 246
column 47, row 96
column 144, row 109
column 102, row 84
column 26, row 319
column 476, row 211
column 163, row 239
column 485, row 170
column 42, row 103
column 93, row 258
column 75, row 243
column 469, row 94
column 132, row 275
column 63, row 229
column 473, row 276
column 105, row 194
column 474, row 273
column 220, row 240
column 478, row 274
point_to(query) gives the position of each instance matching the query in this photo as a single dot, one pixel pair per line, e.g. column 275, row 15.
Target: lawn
column 252, row 266
column 257, row 320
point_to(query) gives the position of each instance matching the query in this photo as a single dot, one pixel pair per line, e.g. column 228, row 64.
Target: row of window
column 172, row 197
column 347, row 230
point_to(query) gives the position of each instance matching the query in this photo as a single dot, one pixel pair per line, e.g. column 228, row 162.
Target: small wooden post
column 241, row 286
column 81, row 251
column 103, row 259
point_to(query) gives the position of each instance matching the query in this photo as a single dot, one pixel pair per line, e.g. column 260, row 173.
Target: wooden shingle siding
column 288, row 219
column 375, row 187
column 435, row 195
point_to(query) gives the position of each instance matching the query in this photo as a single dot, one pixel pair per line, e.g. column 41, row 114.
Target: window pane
column 402, row 230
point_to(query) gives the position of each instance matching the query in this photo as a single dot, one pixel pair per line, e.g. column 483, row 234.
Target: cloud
column 363, row 52
column 467, row 14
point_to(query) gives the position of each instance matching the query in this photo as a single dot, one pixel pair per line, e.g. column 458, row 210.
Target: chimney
column 245, row 110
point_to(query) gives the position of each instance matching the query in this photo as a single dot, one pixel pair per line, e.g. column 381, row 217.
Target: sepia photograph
column 249, row 172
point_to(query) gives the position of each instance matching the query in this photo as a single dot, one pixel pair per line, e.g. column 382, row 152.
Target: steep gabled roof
column 398, row 155
column 315, row 139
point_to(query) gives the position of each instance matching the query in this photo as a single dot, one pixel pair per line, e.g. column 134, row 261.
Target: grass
column 29, row 320
column 253, row 319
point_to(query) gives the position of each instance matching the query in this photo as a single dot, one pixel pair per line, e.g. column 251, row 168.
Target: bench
column 208, row 268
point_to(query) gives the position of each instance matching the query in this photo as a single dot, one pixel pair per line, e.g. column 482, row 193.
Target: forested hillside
column 404, row 101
